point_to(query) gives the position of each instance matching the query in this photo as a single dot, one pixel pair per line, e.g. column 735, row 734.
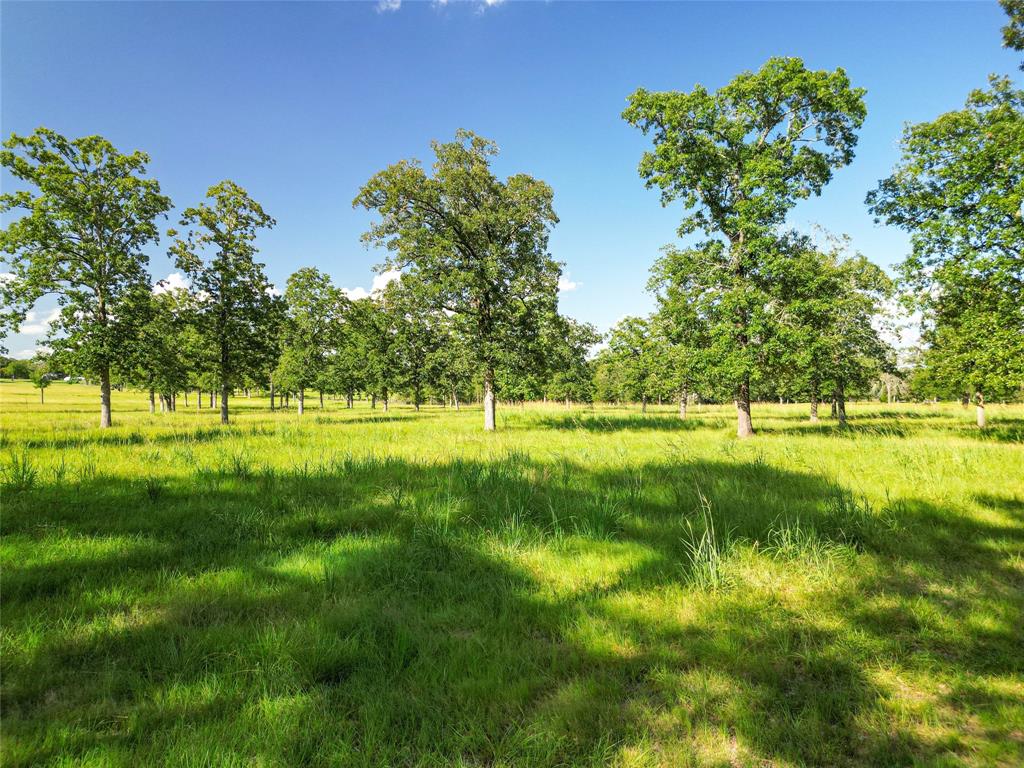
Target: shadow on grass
column 377, row 611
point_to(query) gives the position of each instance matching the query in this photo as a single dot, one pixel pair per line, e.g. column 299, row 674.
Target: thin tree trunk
column 683, row 397
column 841, row 404
column 979, row 402
column 104, row 397
column 744, row 426
column 199, row 399
column 814, row 402
column 211, row 398
column 455, row 398
column 185, row 393
column 384, row 399
column 42, row 400
column 643, row 404
column 489, row 404
column 224, row 403
column 373, row 401
column 152, row 403
column 321, row 399
column 302, row 400
column 271, row 394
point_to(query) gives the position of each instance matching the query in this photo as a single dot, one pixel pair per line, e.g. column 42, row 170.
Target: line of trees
column 746, row 310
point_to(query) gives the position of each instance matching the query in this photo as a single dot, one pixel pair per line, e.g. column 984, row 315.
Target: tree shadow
column 378, row 611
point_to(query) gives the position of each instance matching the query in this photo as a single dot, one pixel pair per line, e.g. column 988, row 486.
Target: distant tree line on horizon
column 747, row 310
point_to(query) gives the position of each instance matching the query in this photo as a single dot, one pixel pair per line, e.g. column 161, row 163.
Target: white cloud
column 36, row 324
column 384, row 6
column 172, row 282
column 28, row 354
column 7, row 277
column 565, row 284
column 272, row 291
column 355, row 293
column 380, row 282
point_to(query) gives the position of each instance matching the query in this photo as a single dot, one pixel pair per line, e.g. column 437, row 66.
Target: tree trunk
column 568, row 402
column 185, row 393
column 211, row 398
column 979, row 402
column 104, row 397
column 455, row 399
column 373, row 401
column 224, row 403
column 152, row 402
column 350, row 401
column 683, row 397
column 321, row 399
column 643, row 404
column 42, row 399
column 841, row 404
column 199, row 399
column 814, row 402
column 302, row 400
column 744, row 426
column 384, row 399
column 489, row 404
column 271, row 394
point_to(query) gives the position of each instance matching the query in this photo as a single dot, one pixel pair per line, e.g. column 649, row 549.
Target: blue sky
column 302, row 102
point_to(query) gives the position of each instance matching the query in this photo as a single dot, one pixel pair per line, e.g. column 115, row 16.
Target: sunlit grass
column 587, row 586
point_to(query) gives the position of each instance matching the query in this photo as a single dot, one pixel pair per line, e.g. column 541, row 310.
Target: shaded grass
column 409, row 591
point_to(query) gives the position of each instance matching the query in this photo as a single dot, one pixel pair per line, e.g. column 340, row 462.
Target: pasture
column 582, row 587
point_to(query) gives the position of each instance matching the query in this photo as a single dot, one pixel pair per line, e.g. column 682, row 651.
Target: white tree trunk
column 979, row 402
column 489, row 404
column 105, row 398
column 302, row 400
column 744, row 426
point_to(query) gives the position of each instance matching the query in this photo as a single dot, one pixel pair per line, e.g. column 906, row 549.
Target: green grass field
column 584, row 587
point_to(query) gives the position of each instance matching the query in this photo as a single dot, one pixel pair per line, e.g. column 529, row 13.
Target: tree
column 634, row 354
column 472, row 244
column 311, row 330
column 80, row 238
column 682, row 320
column 739, row 159
column 234, row 302
column 830, row 303
column 570, row 375
column 958, row 190
column 39, row 375
column 158, row 359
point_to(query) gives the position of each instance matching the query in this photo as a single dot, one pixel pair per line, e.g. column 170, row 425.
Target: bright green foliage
column 958, row 190
column 38, row 375
column 828, row 342
column 234, row 308
column 312, row 331
column 636, row 362
column 418, row 336
column 739, row 159
column 158, row 359
column 472, row 244
column 374, row 342
column 86, row 218
column 567, row 345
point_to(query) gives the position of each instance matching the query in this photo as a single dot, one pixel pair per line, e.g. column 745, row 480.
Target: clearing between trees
column 583, row 586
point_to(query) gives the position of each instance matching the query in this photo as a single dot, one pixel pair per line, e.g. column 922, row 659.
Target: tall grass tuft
column 706, row 550
column 20, row 474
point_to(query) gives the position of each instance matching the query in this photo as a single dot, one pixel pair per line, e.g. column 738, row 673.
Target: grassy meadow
column 584, row 587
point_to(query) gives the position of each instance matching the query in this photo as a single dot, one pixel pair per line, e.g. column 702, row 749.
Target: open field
column 580, row 588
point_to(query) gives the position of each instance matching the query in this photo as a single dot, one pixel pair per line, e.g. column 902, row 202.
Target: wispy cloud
column 35, row 323
column 565, row 284
column 387, row 6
